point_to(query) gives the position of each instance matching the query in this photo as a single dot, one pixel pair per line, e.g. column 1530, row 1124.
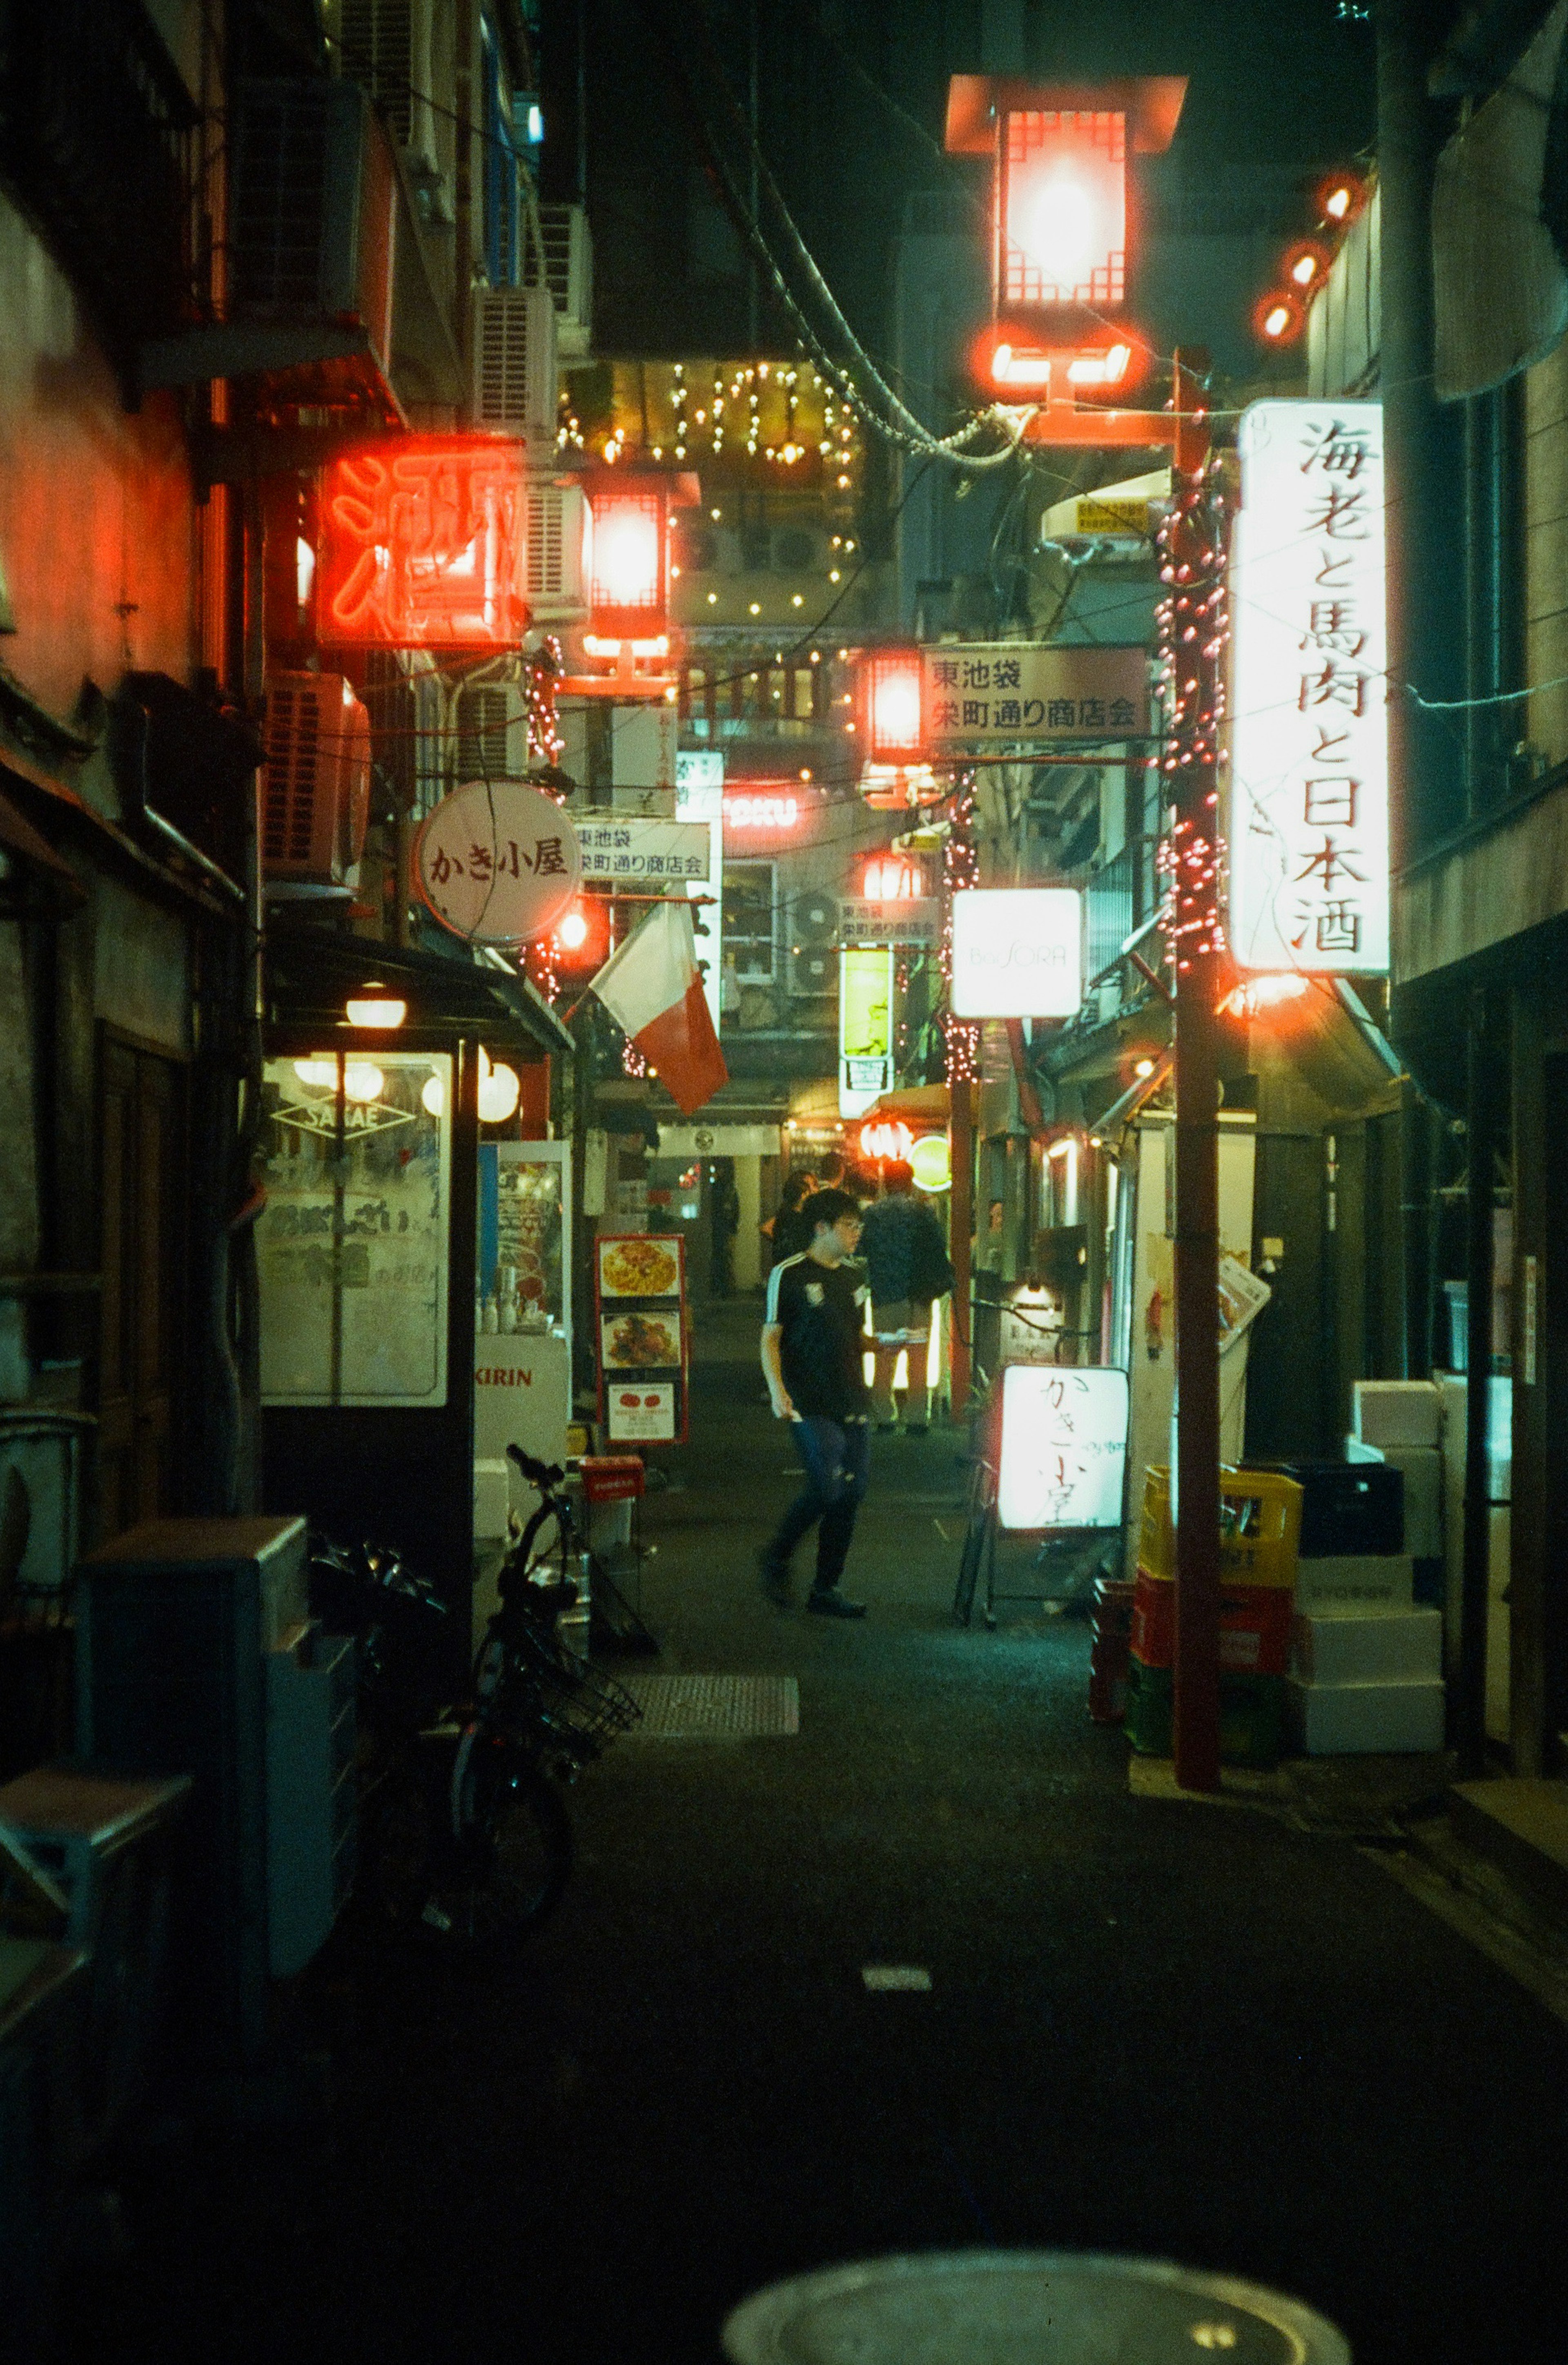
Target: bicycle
column 462, row 1829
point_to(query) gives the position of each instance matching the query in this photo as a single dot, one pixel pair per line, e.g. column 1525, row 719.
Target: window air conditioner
column 316, row 782
column 514, row 363
column 569, row 273
column 312, row 187
column 490, row 732
column 554, row 559
column 385, row 46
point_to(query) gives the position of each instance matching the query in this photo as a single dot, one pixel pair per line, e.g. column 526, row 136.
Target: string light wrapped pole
column 1192, row 628
column 960, row 868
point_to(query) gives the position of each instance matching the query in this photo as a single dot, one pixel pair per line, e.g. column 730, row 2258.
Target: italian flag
column 650, row 985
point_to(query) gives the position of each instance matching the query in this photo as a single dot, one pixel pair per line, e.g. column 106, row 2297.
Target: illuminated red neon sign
column 423, row 544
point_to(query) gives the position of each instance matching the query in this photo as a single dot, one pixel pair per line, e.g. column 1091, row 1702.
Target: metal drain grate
column 715, row 1707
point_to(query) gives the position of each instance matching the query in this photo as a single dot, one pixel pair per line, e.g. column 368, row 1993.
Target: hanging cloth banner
column 651, row 987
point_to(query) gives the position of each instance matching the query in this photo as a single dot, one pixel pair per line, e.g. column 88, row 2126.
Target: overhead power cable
column 903, row 427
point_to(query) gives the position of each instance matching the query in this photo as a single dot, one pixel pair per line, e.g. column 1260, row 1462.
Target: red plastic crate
column 1254, row 1626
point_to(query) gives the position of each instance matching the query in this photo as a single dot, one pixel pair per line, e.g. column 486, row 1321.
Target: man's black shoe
column 828, row 1602
column 773, row 1577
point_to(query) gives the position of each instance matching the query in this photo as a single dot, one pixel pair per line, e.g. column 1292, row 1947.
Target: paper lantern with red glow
column 886, row 1140
column 890, row 682
column 1061, row 209
column 889, row 881
column 627, row 556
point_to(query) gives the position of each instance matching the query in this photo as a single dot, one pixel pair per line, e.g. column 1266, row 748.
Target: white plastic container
column 1342, row 1719
column 1395, row 1412
column 1368, row 1647
column 1359, row 1582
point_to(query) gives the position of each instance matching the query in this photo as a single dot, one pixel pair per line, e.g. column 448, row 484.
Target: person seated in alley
column 906, row 1262
column 811, row 1349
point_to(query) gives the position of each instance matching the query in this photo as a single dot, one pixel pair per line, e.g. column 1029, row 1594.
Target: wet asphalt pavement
column 1181, row 2030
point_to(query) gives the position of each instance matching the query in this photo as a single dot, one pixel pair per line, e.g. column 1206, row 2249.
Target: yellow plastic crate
column 1260, row 1527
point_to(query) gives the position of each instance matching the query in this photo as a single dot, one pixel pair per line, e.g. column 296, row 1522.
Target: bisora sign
column 1017, row 952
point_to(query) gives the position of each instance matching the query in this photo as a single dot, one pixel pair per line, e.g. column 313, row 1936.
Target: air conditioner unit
column 554, row 552
column 312, row 182
column 569, row 275
column 385, row 46
column 315, row 781
column 490, row 732
column 813, row 943
column 514, row 363
column 813, row 969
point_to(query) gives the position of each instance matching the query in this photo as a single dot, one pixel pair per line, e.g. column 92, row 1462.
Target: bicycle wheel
column 512, row 1848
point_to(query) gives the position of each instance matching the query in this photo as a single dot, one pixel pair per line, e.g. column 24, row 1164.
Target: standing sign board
column 1064, row 1447
column 640, row 1322
column 999, row 694
column 1310, row 742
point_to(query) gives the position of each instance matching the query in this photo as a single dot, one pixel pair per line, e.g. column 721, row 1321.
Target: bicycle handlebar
column 544, row 1475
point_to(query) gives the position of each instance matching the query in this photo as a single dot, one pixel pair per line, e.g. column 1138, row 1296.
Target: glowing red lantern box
column 423, row 545
column 627, row 558
column 891, row 695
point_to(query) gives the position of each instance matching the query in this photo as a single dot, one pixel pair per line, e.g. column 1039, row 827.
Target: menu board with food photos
column 640, row 1305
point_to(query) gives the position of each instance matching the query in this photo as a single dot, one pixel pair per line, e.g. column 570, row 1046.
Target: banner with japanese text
column 1308, row 835
column 989, row 695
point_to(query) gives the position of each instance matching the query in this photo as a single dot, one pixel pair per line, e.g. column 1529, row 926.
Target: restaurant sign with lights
column 424, row 544
column 1309, row 851
column 498, row 862
column 1001, row 693
column 769, row 814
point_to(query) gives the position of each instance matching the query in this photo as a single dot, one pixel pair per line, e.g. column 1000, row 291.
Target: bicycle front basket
column 579, row 1701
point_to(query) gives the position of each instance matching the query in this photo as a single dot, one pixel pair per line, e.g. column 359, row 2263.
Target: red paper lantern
column 891, row 696
column 627, row 558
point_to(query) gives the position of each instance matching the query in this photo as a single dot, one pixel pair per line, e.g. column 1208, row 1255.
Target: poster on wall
column 641, row 1334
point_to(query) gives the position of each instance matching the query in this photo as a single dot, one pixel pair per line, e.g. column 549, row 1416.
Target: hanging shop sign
column 1001, row 694
column 639, row 1309
column 1064, row 1447
column 645, row 858
column 1017, row 952
column 424, row 544
column 1309, row 741
column 866, row 920
column 864, row 1027
column 498, row 862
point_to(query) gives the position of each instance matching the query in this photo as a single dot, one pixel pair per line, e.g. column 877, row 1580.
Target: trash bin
column 1023, row 2307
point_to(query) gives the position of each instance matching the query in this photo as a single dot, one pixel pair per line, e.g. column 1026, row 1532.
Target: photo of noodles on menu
column 637, row 1266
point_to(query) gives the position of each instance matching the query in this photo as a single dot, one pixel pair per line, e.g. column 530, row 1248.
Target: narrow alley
column 1182, row 2030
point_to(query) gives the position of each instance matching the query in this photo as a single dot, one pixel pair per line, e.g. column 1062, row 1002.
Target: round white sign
column 498, row 862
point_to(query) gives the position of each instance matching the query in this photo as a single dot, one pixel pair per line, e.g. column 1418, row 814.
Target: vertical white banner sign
column 1309, row 692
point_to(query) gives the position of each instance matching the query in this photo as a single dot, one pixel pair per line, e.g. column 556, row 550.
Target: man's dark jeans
column 838, row 1465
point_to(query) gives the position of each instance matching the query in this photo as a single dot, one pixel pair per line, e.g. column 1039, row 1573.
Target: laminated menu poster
column 640, row 1288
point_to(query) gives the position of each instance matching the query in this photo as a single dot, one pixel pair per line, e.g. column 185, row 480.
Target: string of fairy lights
column 960, row 868
column 1191, row 623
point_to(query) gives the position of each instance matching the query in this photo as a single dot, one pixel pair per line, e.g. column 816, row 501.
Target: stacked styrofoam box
column 1366, row 1663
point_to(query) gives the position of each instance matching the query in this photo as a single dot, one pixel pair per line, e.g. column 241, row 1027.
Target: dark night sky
column 1275, row 95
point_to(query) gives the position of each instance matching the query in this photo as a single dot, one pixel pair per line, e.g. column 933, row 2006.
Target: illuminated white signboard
column 1017, row 952
column 1064, row 1447
column 864, row 1027
column 1309, row 733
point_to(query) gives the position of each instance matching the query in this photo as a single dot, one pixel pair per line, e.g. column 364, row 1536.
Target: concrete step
column 1523, row 1827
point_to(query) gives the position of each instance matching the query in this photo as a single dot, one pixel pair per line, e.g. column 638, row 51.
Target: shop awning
column 310, row 975
column 918, row 1105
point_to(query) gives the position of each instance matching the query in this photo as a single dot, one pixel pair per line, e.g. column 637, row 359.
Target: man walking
column 812, row 1346
column 906, row 1261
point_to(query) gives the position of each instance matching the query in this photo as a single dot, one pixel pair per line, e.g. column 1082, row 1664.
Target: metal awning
column 310, row 975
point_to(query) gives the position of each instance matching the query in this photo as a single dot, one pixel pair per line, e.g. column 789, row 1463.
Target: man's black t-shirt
column 820, row 1310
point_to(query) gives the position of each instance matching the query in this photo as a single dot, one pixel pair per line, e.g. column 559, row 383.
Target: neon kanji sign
column 423, row 544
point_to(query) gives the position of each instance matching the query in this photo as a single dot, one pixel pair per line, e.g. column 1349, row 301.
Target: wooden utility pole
column 1193, row 569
